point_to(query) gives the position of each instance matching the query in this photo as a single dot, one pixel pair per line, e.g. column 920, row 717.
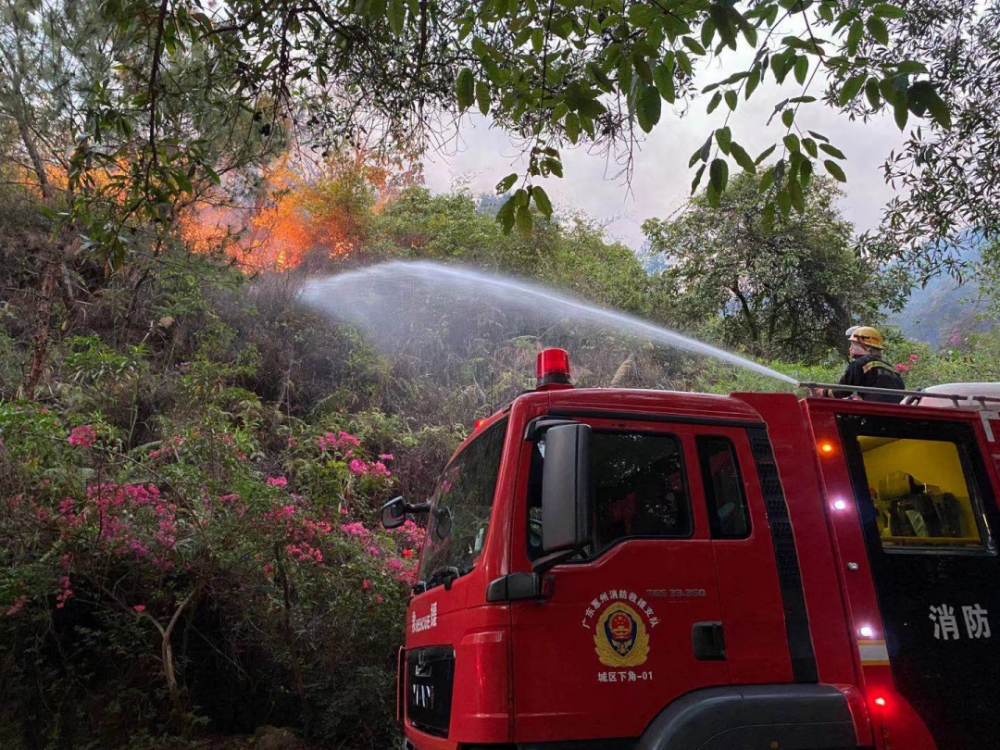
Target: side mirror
column 567, row 499
column 394, row 513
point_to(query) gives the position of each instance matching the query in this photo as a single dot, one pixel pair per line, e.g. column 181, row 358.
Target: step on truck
column 611, row 569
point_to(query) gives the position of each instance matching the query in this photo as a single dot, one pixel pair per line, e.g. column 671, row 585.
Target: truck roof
column 666, row 403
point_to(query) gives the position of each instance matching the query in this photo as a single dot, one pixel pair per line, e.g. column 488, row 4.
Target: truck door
column 928, row 514
column 761, row 614
column 633, row 623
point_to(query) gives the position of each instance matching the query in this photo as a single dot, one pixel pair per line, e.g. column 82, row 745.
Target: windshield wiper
column 444, row 575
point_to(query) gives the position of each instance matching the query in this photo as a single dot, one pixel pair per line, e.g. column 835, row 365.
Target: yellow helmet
column 866, row 336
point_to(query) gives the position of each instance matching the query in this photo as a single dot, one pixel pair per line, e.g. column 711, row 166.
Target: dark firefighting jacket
column 871, row 372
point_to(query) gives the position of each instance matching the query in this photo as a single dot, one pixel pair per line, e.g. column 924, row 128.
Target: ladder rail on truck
column 753, row 570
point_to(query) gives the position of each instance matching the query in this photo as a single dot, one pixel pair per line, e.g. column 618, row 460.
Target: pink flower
column 17, row 606
column 408, row 553
column 378, row 598
column 914, row 358
column 82, row 436
column 385, row 456
column 902, row 368
column 140, row 608
column 268, row 568
column 358, row 467
column 277, row 481
column 366, row 584
column 292, row 442
column 354, row 529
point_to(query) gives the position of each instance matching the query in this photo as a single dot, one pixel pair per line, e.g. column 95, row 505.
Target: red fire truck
column 610, row 568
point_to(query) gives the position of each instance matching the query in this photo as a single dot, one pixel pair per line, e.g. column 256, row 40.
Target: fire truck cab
column 609, row 568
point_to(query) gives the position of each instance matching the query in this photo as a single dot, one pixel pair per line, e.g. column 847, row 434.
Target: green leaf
column 685, row 62
column 572, row 124
column 854, row 35
column 483, row 97
column 648, row 107
column 697, row 178
column 465, row 89
column 600, row 77
column 784, row 201
column 718, row 175
column 753, row 80
column 884, row 10
column 742, row 158
column 851, row 88
column 397, row 16
column 731, row 99
column 922, row 97
column 878, row 30
column 505, row 216
column 641, row 65
column 798, row 199
column 791, row 142
column 801, row 68
column 910, row 66
column 692, row 45
column 832, row 150
column 805, row 172
column 506, row 183
column 871, row 91
column 542, row 202
column 663, row 77
column 713, row 195
column 724, row 137
column 788, row 117
column 706, row 149
column 766, row 181
column 716, row 98
column 901, row 113
column 538, row 40
column 375, row 10
column 819, row 136
column 590, row 108
column 895, row 95
column 940, row 112
column 524, row 220
column 765, row 153
column 834, row 169
column 810, row 146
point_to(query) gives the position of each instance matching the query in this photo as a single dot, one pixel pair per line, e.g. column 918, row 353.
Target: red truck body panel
column 534, row 671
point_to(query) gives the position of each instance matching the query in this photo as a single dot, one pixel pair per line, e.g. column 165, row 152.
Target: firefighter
column 867, row 368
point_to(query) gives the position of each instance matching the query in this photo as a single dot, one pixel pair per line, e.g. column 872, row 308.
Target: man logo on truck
column 621, row 639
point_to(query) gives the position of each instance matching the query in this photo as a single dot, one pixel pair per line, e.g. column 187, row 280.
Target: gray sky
column 482, row 155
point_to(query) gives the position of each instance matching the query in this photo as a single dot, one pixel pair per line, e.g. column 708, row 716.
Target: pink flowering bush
column 187, row 530
column 82, row 437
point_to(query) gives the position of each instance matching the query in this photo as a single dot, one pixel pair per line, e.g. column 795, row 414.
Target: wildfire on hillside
column 295, row 213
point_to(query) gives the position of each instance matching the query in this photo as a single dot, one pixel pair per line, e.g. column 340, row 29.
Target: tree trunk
column 623, row 372
column 36, row 160
column 167, row 655
column 40, row 344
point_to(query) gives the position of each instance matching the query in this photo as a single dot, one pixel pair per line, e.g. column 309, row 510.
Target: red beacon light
column 552, row 369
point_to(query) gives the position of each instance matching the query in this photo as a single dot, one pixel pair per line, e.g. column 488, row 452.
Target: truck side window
column 461, row 507
column 640, row 489
column 922, row 493
column 728, row 515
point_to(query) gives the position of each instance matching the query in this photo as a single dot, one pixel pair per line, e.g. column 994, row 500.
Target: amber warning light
column 552, row 369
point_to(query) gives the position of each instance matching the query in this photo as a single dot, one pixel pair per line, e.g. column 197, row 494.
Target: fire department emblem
column 621, row 639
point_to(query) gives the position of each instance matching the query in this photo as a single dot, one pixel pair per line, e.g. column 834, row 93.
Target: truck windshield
column 461, row 507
